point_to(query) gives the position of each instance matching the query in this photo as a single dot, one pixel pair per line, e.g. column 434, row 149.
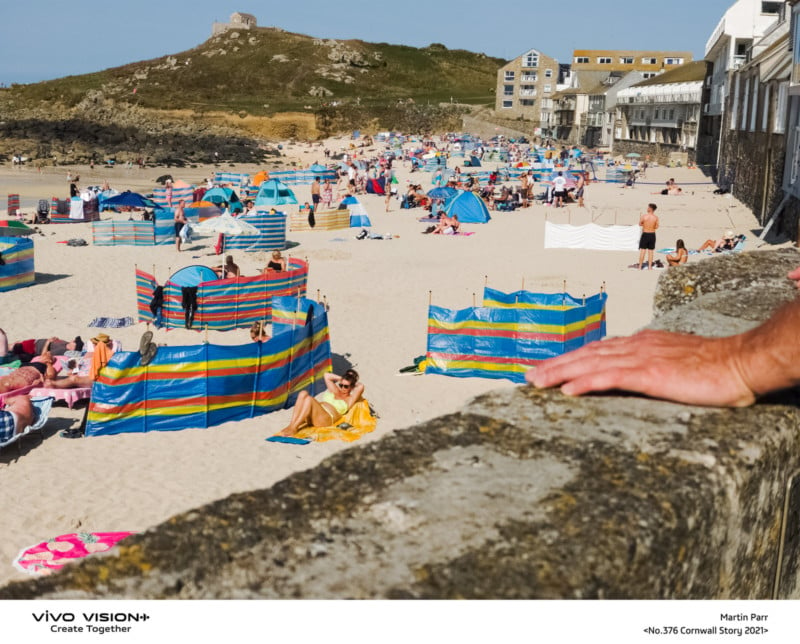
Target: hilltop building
column 727, row 48
column 525, row 86
column 238, row 20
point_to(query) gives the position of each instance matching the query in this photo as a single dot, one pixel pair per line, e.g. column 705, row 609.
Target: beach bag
column 186, row 233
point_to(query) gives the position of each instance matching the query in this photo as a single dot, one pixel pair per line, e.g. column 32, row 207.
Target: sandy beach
column 378, row 292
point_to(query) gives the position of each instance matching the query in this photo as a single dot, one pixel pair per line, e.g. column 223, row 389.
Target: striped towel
column 111, row 323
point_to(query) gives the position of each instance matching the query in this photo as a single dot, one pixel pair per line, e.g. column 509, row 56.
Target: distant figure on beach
column 680, row 256
column 180, row 222
column 258, row 333
column 228, row 270
column 730, row 371
column 559, row 189
column 728, row 242
column 316, row 190
column 277, row 263
column 15, row 417
column 341, row 393
column 647, row 242
column 580, row 187
column 327, row 194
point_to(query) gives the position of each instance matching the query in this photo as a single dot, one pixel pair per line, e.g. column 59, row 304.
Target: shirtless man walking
column 180, row 222
column 647, row 242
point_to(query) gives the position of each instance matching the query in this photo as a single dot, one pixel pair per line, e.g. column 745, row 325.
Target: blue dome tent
column 469, row 208
column 274, row 193
column 218, row 195
column 193, row 275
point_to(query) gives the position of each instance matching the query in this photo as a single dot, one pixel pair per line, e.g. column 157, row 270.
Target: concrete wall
column 522, row 494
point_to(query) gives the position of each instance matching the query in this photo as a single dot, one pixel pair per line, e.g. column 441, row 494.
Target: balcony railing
column 528, row 78
column 527, row 92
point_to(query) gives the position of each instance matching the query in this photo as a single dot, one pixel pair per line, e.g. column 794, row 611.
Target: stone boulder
column 523, row 494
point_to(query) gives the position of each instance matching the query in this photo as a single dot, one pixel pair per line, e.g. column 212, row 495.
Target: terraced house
column 525, row 87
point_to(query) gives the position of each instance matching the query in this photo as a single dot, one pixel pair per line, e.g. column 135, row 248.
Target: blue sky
column 44, row 39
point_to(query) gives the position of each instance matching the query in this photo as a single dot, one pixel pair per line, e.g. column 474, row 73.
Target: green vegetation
column 265, row 71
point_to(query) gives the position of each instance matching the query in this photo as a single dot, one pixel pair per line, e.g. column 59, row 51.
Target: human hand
column 795, row 275
column 671, row 366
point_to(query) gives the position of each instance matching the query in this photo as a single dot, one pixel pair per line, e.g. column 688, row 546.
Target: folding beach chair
column 42, row 408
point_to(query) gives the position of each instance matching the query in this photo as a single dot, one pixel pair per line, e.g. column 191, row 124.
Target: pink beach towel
column 49, row 556
column 70, row 396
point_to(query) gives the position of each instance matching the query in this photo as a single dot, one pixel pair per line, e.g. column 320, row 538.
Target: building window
column 507, row 104
column 648, row 75
column 508, row 90
column 626, row 60
column 765, row 110
column 548, row 73
column 649, row 61
column 509, row 76
column 771, row 8
column 658, row 113
column 674, row 61
column 527, row 102
column 531, row 60
column 547, row 88
column 529, row 78
column 604, row 60
column 581, row 59
column 779, row 125
column 672, row 115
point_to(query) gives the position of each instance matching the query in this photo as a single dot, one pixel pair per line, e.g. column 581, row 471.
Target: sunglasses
column 341, row 386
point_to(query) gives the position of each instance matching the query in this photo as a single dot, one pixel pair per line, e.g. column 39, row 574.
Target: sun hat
column 728, row 234
column 101, row 337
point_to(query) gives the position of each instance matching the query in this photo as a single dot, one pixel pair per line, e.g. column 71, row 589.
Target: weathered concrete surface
column 524, row 494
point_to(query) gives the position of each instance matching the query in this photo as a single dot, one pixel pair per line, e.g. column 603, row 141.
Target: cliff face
column 523, row 494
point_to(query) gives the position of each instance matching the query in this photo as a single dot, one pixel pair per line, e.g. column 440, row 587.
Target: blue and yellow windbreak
column 18, row 271
column 206, row 385
column 511, row 333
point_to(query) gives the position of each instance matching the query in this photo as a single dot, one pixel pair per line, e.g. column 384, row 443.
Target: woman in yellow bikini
column 342, row 393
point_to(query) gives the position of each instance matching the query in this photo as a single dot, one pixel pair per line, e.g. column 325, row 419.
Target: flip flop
column 146, row 341
column 290, row 440
column 148, row 354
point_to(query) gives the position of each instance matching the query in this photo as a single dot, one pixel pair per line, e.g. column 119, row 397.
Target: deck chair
column 42, row 408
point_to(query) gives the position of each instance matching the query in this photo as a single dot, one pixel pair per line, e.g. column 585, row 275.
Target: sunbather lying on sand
column 30, row 375
column 28, row 349
column 342, row 393
column 15, row 417
column 103, row 350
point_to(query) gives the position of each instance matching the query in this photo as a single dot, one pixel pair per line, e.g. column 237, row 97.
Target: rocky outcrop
column 523, row 494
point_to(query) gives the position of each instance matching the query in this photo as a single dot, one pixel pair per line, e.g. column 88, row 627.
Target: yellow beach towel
column 359, row 416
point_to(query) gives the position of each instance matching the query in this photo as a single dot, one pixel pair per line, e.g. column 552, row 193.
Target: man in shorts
column 647, row 242
column 180, row 222
column 15, row 417
column 315, row 193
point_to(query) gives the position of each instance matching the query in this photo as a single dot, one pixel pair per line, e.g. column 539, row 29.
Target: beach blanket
column 49, row 556
column 111, row 323
column 359, row 417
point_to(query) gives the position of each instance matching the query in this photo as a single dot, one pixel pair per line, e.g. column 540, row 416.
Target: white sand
column 378, row 291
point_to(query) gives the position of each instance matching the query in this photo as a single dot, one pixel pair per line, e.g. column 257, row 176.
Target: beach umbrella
column 128, row 198
column 225, row 224
column 10, row 228
column 633, row 155
column 349, row 200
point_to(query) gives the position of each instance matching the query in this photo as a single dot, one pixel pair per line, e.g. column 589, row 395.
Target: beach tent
column 469, row 208
column 318, row 168
column 274, row 193
column 473, row 162
column 218, row 195
column 131, row 199
column 193, row 276
column 376, row 186
column 358, row 215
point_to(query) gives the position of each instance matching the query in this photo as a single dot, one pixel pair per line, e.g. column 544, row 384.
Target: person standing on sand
column 180, row 222
column 647, row 242
column 316, row 192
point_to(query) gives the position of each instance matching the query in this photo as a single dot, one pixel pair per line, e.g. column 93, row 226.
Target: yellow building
column 627, row 60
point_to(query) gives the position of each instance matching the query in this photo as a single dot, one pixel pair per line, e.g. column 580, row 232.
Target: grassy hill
column 267, row 70
column 238, row 89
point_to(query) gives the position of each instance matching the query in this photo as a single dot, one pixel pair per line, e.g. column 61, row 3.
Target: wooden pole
column 486, row 280
column 523, row 284
column 473, row 300
column 206, row 333
column 430, row 298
